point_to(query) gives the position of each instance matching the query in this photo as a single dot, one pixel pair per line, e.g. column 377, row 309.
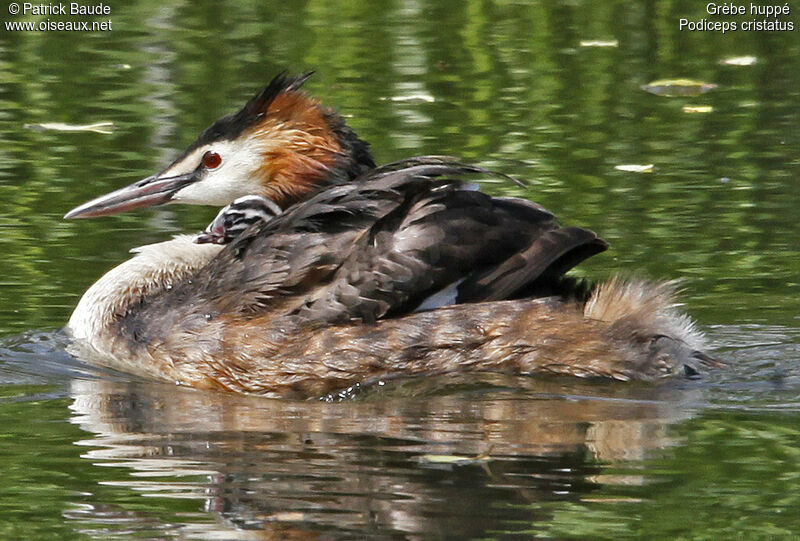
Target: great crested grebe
column 331, row 272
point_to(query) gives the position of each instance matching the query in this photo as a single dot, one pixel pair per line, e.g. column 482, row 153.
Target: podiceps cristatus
column 367, row 272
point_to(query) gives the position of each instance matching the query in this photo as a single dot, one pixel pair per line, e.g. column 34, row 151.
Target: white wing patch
column 443, row 297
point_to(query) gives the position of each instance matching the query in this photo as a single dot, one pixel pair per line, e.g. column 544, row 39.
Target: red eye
column 211, row 159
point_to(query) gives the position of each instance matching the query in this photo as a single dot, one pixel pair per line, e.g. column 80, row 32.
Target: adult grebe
column 367, row 274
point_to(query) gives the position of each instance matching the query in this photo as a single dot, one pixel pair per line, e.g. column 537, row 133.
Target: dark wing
column 444, row 244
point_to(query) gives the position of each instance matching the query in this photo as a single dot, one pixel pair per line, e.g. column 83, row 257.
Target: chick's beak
column 150, row 191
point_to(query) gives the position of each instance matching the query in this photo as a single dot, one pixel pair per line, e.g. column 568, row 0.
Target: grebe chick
column 235, row 218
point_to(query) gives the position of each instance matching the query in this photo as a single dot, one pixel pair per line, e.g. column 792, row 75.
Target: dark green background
column 503, row 84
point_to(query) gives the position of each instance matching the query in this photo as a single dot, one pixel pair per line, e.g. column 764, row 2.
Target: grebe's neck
column 153, row 269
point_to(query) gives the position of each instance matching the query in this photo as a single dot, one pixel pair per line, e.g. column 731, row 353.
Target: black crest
column 231, row 126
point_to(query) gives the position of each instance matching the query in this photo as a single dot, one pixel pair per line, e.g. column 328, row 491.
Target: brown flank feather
column 282, row 358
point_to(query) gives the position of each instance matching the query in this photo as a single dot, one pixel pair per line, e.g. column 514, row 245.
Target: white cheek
column 234, row 178
column 217, row 193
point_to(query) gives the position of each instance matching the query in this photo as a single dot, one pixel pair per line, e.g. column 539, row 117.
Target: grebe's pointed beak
column 150, row 191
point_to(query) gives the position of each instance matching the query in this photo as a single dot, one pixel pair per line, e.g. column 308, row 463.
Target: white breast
column 154, row 267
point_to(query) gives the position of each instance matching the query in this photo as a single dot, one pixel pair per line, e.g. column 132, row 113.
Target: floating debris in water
column 739, row 61
column 419, row 97
column 678, row 87
column 100, row 127
column 599, row 43
column 697, row 109
column 457, row 459
column 635, row 168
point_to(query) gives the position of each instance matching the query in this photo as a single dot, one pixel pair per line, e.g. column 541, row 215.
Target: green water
column 508, row 85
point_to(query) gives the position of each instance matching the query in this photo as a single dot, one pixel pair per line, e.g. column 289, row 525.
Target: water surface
column 90, row 454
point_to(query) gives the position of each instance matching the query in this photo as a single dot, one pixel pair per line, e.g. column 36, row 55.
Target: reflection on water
column 360, row 467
